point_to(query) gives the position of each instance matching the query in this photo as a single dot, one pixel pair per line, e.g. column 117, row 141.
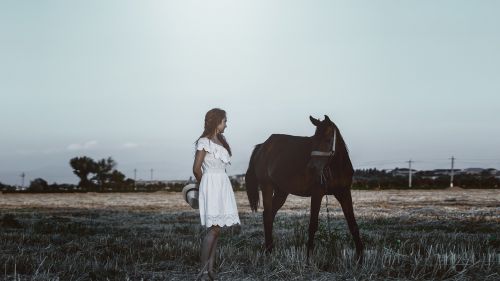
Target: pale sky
column 133, row 80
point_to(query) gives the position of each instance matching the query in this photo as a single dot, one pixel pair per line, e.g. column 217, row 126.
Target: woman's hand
column 198, row 160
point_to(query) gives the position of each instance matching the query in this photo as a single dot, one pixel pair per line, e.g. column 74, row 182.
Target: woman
column 216, row 198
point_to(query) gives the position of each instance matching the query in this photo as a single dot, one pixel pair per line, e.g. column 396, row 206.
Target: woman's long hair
column 212, row 119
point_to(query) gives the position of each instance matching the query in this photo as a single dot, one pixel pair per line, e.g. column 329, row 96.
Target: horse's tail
column 252, row 184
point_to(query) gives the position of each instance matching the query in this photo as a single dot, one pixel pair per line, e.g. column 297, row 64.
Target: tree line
column 101, row 176
column 380, row 179
column 94, row 176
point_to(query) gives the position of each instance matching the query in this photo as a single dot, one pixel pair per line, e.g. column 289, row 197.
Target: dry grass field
column 409, row 235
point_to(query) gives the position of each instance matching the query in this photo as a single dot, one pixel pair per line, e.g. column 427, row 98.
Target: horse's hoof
column 204, row 276
column 359, row 260
column 268, row 249
column 309, row 253
column 212, row 275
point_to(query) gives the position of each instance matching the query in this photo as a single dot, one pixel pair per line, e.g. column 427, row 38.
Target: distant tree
column 38, row 185
column 82, row 167
column 6, row 187
column 117, row 176
column 117, row 181
column 62, row 187
column 486, row 174
column 103, row 172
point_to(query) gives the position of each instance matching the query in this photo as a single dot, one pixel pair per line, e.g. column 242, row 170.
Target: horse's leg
column 279, row 199
column 345, row 200
column 267, row 215
column 313, row 222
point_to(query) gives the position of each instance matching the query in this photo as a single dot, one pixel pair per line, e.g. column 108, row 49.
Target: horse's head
column 323, row 144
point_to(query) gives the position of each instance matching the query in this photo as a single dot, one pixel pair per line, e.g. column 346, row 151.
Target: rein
column 323, row 176
column 329, row 154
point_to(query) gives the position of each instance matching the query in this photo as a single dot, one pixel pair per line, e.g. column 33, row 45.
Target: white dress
column 216, row 197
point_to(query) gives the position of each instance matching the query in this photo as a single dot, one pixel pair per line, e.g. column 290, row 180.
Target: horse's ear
column 327, row 119
column 315, row 122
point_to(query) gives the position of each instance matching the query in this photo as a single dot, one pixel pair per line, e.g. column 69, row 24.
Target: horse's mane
column 342, row 154
column 342, row 142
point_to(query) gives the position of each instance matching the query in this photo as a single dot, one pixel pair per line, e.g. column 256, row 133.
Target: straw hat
column 190, row 194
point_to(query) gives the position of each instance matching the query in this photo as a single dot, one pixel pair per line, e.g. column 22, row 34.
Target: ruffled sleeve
column 218, row 151
column 203, row 144
column 221, row 153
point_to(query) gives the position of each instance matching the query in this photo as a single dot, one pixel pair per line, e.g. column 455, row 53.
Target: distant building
column 492, row 171
column 473, row 171
column 445, row 172
column 166, row 182
column 402, row 172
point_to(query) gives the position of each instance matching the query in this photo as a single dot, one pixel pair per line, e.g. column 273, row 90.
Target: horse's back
column 285, row 141
column 278, row 146
column 281, row 159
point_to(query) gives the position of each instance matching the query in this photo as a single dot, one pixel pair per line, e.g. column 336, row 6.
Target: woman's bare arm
column 198, row 160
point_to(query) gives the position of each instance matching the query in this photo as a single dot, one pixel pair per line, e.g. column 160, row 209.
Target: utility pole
column 135, row 178
column 151, row 174
column 409, row 174
column 452, row 165
column 22, row 179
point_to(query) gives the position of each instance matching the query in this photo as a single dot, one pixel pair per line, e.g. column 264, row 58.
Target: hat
column 190, row 194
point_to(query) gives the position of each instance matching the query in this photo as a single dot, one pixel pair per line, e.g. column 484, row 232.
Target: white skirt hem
column 220, row 220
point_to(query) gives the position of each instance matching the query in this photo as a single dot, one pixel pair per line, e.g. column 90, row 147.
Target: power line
column 387, row 162
column 381, row 163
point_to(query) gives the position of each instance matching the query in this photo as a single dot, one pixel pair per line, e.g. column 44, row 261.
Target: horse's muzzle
column 317, row 164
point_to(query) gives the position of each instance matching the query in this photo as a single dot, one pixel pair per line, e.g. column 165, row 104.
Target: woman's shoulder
column 203, row 144
column 201, row 140
column 219, row 151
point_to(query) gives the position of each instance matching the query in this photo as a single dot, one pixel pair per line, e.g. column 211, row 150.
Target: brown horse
column 304, row 166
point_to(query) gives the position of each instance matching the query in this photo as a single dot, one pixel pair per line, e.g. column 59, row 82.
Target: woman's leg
column 208, row 246
column 211, row 260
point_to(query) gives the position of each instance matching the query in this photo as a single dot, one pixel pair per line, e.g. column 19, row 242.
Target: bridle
column 328, row 154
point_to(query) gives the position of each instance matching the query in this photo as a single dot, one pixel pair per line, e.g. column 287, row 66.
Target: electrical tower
column 23, row 175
